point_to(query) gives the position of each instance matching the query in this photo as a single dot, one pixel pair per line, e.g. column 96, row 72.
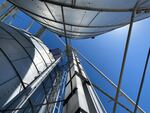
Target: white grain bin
column 22, row 59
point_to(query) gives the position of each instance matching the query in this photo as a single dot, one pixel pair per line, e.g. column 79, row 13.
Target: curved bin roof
column 83, row 18
column 23, row 58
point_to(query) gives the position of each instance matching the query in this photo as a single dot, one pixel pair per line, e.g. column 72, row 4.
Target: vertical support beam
column 68, row 48
column 124, row 56
column 142, row 82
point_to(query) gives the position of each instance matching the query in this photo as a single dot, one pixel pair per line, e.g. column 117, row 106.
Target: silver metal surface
column 83, row 19
column 81, row 97
column 22, row 59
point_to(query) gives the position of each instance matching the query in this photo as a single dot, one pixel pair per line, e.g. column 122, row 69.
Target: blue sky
column 106, row 52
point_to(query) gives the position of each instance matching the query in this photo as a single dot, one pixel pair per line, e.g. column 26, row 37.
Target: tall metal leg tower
column 80, row 96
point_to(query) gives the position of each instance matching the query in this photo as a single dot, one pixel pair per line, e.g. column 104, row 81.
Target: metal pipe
column 142, row 82
column 125, row 55
column 67, row 46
